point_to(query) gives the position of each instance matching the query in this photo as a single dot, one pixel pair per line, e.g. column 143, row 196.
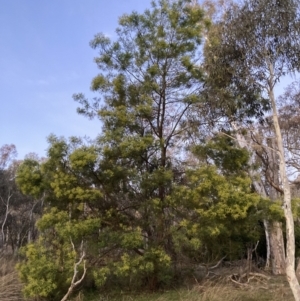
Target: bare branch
column 75, row 283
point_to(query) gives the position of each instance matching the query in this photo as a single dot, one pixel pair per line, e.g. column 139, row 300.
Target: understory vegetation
column 222, row 284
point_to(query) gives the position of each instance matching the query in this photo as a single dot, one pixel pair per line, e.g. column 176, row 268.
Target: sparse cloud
column 37, row 82
column 52, row 80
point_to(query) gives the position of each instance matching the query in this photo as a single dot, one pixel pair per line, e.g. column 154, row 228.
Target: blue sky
column 45, row 58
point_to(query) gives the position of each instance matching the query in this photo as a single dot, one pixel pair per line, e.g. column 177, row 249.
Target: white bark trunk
column 6, row 204
column 287, row 208
column 268, row 256
column 75, row 283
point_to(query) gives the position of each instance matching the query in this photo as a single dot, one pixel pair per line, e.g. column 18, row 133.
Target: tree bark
column 275, row 227
column 277, row 248
column 268, row 245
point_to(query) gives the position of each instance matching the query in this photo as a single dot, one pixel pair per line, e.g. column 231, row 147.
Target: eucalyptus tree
column 289, row 120
column 7, row 155
column 257, row 44
column 17, row 211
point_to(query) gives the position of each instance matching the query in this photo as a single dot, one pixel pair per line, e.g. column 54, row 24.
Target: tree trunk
column 298, row 269
column 287, row 207
column 277, row 248
column 268, row 245
column 275, row 228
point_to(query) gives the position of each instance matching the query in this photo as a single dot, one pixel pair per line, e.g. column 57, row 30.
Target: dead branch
column 217, row 264
column 260, row 275
column 249, row 277
column 74, row 283
column 238, row 283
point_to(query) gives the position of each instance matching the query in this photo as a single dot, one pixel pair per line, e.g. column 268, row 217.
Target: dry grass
column 10, row 286
column 222, row 289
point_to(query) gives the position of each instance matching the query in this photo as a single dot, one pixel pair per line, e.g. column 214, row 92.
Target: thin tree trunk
column 268, row 256
column 31, row 224
column 4, row 237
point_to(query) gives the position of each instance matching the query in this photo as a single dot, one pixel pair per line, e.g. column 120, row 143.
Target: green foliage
column 152, row 268
column 47, row 270
column 223, row 153
column 29, row 178
column 224, row 209
column 149, row 79
column 250, row 38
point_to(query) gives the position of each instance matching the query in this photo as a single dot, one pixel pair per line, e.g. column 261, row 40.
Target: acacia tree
column 54, row 260
column 258, row 44
column 115, row 195
column 150, row 81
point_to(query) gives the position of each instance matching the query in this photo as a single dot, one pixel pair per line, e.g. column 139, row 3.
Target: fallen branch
column 249, row 277
column 260, row 275
column 238, row 283
column 217, row 264
column 255, row 275
column 209, row 268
